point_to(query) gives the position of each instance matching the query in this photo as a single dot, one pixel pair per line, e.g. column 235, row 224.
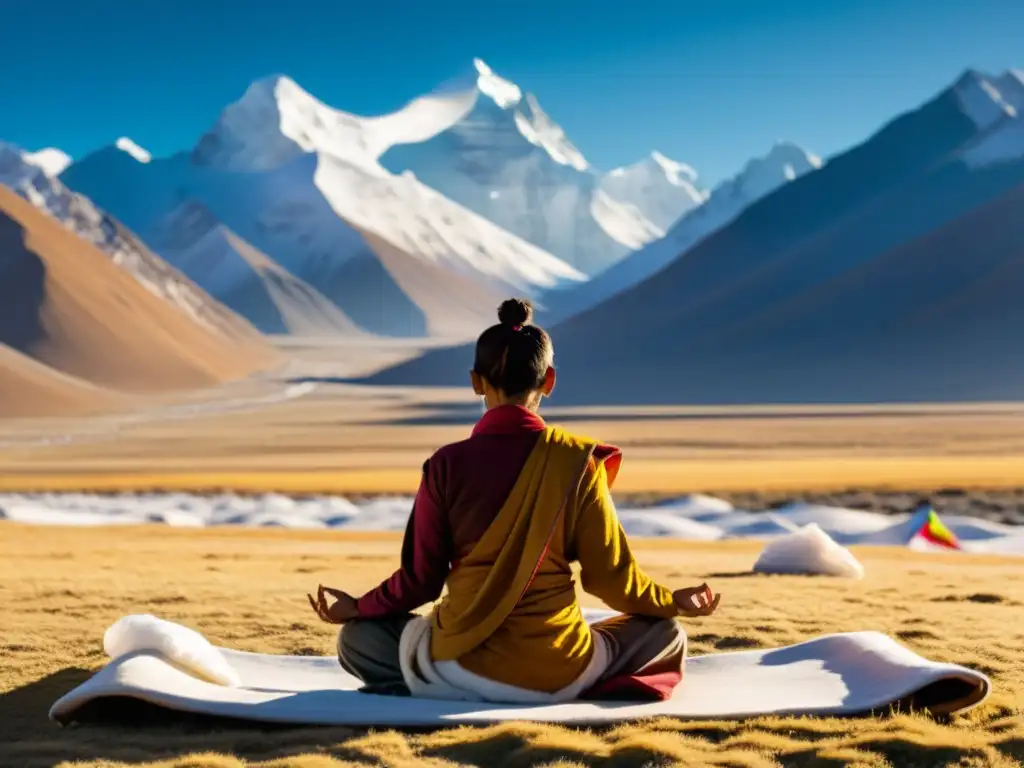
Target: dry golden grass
column 60, row 588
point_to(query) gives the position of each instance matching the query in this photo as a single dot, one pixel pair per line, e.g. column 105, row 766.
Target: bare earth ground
column 61, row 588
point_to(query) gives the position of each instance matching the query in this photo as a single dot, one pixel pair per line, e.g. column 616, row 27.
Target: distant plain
column 302, row 429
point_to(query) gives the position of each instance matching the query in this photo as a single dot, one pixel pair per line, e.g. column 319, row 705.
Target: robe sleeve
column 426, row 555
column 608, row 569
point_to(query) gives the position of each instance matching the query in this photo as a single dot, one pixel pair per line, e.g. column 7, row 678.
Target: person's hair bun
column 513, row 312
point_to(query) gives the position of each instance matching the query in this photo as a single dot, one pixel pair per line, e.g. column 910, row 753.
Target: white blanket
column 431, row 679
column 843, row 674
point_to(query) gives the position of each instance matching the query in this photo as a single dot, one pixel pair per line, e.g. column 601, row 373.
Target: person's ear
column 477, row 381
column 549, row 382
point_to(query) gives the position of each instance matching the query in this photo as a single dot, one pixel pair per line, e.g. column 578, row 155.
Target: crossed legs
column 368, row 649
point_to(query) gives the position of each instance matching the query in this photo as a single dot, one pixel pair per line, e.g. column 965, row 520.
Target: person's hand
column 344, row 607
column 696, row 601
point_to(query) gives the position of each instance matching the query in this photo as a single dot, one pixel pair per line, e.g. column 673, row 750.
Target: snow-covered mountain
column 51, row 161
column 660, row 188
column 892, row 273
column 758, row 178
column 300, row 182
column 276, row 121
column 381, row 247
column 995, row 104
column 245, row 280
column 22, row 174
column 493, row 149
column 986, row 99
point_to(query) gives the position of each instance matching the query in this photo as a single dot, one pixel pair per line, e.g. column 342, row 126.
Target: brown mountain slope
column 30, row 389
column 64, row 303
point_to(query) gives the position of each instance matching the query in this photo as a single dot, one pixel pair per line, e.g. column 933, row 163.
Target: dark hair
column 514, row 356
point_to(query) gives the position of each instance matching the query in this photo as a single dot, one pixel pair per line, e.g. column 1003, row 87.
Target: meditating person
column 498, row 519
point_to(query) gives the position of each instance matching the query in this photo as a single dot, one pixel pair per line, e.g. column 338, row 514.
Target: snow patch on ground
column 808, row 551
column 697, row 518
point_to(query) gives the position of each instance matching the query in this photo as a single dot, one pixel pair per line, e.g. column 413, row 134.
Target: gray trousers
column 368, row 649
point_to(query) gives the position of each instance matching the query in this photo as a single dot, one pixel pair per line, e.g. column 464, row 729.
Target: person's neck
column 531, row 404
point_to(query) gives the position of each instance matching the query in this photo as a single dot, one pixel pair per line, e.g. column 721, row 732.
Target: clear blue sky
column 711, row 82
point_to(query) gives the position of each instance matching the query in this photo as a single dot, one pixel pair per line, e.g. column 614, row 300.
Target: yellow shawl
column 510, row 612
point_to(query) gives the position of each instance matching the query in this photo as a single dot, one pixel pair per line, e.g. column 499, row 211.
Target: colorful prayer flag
column 935, row 531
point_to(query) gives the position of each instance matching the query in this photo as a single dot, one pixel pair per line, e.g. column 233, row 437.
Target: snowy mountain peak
column 267, row 86
column 26, row 175
column 677, row 173
column 17, row 166
column 541, row 131
column 16, row 170
column 996, row 104
column 675, row 185
column 281, row 93
column 759, row 177
column 987, row 100
column 787, row 151
column 276, row 121
column 51, row 160
column 129, row 147
column 483, row 108
column 968, row 78
column 503, row 92
column 784, row 161
column 657, row 186
column 480, row 80
column 483, row 142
